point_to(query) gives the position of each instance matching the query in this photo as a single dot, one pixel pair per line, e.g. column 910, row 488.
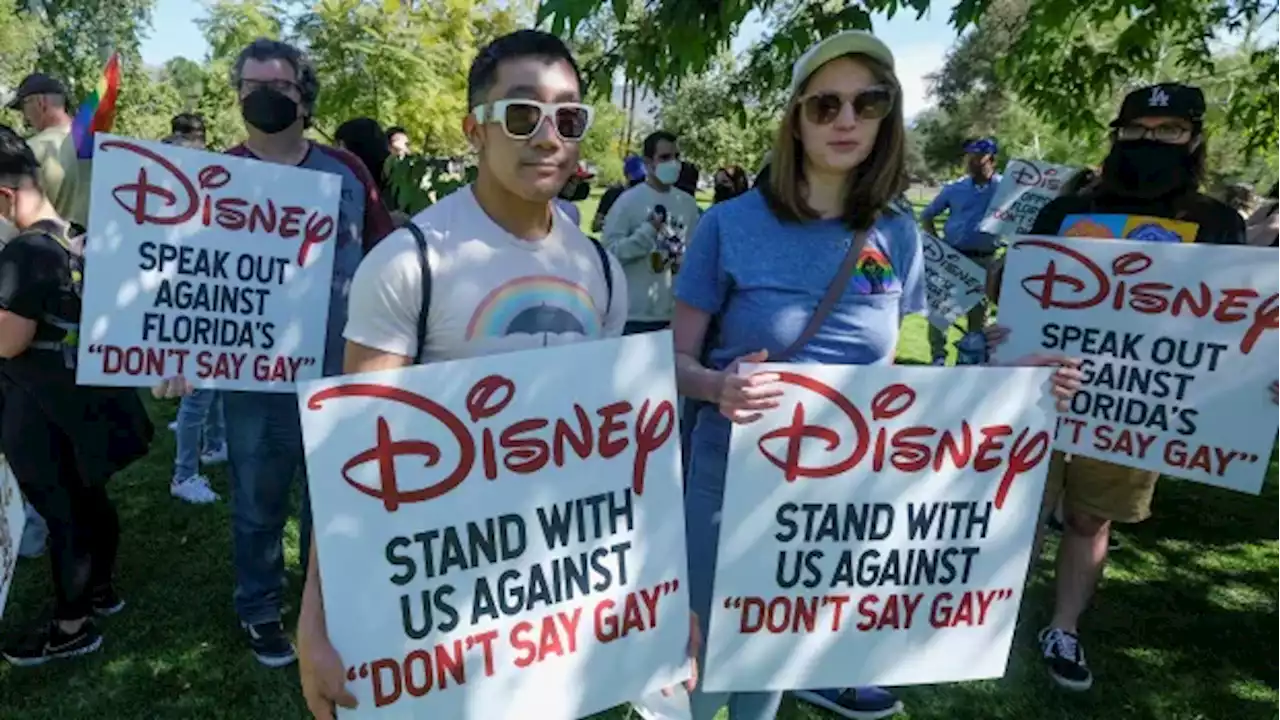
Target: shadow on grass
column 176, row 650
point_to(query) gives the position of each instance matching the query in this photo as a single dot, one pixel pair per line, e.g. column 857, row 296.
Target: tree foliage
column 712, row 134
column 1066, row 59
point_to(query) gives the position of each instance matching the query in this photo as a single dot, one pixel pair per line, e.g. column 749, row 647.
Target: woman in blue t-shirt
column 760, row 263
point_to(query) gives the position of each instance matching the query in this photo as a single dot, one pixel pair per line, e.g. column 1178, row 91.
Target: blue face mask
column 667, row 172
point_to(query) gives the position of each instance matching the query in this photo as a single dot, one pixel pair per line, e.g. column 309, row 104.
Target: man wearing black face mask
column 277, row 86
column 1154, row 169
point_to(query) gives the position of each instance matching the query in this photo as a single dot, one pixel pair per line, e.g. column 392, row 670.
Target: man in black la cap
column 1154, row 169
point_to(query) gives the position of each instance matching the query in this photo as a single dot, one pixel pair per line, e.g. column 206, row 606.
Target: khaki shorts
column 1106, row 490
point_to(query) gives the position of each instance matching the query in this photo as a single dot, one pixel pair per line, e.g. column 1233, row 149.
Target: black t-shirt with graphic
column 1218, row 223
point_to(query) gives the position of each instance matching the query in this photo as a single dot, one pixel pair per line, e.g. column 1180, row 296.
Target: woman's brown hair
column 870, row 188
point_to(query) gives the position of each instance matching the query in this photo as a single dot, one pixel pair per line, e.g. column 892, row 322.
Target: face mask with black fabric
column 1147, row 169
column 269, row 110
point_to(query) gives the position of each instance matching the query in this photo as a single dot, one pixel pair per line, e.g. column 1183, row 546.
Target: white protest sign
column 1025, row 188
column 1179, row 342
column 13, row 518
column 954, row 282
column 877, row 527
column 504, row 533
column 204, row 265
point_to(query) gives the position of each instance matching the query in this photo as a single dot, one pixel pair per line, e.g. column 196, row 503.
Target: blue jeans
column 264, row 452
column 200, row 430
column 704, row 494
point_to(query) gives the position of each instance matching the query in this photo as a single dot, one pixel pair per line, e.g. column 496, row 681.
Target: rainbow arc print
column 873, row 274
column 535, row 305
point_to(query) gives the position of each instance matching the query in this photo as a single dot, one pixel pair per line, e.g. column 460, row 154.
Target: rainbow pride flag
column 97, row 112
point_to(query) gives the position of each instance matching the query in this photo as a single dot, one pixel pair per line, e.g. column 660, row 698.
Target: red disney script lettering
column 1084, row 284
column 909, row 449
column 230, row 213
column 522, row 447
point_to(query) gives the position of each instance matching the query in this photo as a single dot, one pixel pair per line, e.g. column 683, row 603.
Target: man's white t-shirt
column 491, row 292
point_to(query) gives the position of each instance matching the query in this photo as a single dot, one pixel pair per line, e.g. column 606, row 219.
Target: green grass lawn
column 1184, row 627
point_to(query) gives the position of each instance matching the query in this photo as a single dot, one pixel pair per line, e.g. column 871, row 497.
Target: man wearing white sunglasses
column 448, row 285
column 492, row 268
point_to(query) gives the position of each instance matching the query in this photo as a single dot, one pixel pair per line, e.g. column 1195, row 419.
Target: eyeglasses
column 520, row 119
column 872, row 103
column 1170, row 133
column 284, row 87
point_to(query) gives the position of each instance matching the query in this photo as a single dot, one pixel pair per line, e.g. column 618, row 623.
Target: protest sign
column 1128, row 227
column 13, row 518
column 954, row 282
column 504, row 533
column 1025, row 188
column 209, row 266
column 1179, row 346
column 878, row 526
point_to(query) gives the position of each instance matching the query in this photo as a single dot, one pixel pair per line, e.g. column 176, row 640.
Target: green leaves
column 417, row 182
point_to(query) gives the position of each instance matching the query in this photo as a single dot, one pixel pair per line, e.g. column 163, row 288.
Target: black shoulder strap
column 608, row 273
column 424, row 261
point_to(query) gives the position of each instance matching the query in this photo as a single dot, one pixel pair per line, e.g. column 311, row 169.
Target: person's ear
column 474, row 132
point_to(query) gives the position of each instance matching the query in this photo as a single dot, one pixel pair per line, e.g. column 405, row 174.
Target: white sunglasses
column 520, row 119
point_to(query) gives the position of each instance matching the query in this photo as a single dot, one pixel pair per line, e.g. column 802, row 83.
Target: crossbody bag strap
column 834, row 292
column 424, row 262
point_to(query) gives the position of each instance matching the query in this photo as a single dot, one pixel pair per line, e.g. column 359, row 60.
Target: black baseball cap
column 1163, row 100
column 37, row 84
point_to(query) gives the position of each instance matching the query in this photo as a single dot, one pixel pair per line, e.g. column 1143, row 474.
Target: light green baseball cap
column 846, row 43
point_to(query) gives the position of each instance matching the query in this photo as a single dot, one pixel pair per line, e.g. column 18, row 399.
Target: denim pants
column 201, row 429
column 264, row 453
column 703, row 497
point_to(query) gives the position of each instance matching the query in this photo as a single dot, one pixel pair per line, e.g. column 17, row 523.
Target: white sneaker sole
column 276, row 662
column 1069, row 684
column 108, row 612
column 35, row 662
column 206, row 500
column 814, row 698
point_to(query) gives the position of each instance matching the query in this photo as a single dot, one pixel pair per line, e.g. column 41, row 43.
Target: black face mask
column 1147, row 169
column 269, row 110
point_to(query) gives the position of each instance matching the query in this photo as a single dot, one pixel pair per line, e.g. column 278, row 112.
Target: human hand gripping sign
column 744, row 398
column 321, row 670
column 172, row 387
column 1067, row 380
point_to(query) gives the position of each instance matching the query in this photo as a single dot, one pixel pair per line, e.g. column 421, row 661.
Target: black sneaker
column 1065, row 659
column 270, row 644
column 106, row 602
column 53, row 644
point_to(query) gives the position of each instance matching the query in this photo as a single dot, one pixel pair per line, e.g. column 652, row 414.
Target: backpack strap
column 424, row 262
column 608, row 273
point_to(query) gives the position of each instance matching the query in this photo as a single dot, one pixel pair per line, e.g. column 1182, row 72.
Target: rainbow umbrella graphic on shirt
column 98, row 111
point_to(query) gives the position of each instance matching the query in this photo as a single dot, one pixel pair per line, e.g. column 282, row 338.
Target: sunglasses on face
column 520, row 119
column 872, row 103
column 1171, row 133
